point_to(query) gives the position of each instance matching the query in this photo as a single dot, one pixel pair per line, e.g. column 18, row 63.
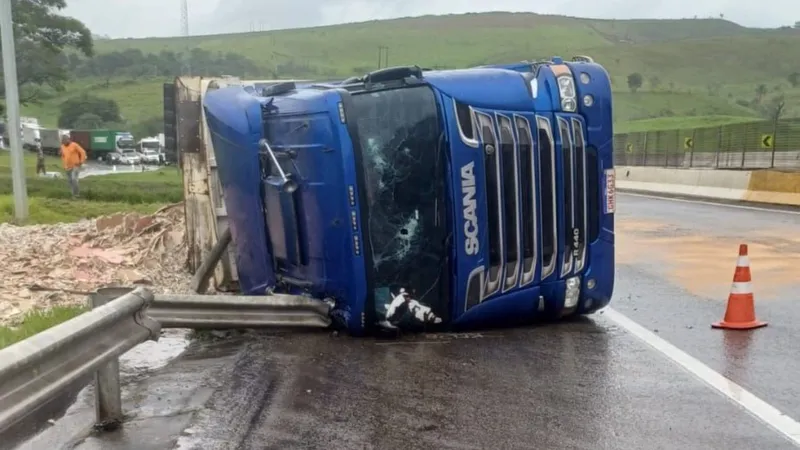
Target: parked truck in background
column 30, row 136
column 51, row 140
column 150, row 149
column 100, row 144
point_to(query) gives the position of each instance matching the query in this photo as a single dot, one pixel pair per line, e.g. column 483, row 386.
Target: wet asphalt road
column 585, row 384
column 679, row 284
column 95, row 168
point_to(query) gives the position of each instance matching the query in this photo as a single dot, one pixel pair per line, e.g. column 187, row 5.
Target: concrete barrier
column 761, row 186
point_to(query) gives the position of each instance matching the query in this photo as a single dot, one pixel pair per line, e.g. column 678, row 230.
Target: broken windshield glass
column 403, row 157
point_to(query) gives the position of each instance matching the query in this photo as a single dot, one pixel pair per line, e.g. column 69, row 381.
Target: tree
column 78, row 110
column 655, row 82
column 41, row 36
column 714, row 88
column 635, row 81
column 794, row 79
column 133, row 63
column 761, row 91
column 88, row 121
column 148, row 127
column 775, row 108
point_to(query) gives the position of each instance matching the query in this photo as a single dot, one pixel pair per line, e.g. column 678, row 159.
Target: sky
column 148, row 18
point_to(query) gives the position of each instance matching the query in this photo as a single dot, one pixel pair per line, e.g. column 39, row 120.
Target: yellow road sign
column 629, row 148
column 766, row 140
column 688, row 143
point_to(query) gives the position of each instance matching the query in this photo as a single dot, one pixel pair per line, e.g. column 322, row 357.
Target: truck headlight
column 566, row 89
column 573, row 292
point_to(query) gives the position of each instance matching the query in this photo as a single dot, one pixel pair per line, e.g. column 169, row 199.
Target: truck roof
column 488, row 87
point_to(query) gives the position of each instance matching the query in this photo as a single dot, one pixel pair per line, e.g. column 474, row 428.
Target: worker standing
column 73, row 156
column 40, row 169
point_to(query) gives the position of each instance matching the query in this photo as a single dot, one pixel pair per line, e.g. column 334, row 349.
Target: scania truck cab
column 413, row 199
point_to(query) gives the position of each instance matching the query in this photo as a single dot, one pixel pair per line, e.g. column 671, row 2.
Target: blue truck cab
column 414, row 199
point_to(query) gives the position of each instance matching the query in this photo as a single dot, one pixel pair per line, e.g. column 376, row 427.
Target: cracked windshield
column 403, row 157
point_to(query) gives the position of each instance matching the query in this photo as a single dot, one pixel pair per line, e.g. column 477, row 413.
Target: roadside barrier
column 760, row 186
column 34, row 371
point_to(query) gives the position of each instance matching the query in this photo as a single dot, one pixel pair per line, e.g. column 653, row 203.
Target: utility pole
column 383, row 56
column 12, row 111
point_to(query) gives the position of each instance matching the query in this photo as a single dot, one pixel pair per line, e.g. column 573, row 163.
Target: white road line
column 704, row 202
column 779, row 421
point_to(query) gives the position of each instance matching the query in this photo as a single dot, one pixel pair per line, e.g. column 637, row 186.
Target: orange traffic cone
column 741, row 312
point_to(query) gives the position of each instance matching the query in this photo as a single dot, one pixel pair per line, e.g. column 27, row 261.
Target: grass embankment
column 50, row 202
column 36, row 321
column 690, row 67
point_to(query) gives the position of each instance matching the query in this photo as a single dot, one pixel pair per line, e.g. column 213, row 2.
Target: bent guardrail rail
column 35, row 370
column 239, row 311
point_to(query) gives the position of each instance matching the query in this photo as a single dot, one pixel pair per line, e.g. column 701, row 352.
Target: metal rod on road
column 12, row 111
column 107, row 389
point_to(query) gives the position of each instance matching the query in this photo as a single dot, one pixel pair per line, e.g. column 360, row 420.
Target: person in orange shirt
column 73, row 156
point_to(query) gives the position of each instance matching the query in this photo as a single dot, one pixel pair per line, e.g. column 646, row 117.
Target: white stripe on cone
column 743, row 261
column 741, row 287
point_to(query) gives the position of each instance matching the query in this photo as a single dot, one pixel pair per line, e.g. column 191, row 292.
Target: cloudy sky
column 142, row 18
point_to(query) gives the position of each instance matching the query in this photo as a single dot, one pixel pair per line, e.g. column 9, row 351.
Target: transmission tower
column 184, row 18
column 187, row 66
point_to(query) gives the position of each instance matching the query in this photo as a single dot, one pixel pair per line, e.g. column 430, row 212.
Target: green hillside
column 692, row 68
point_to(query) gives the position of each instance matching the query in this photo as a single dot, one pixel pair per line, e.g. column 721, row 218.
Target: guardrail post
column 107, row 389
column 774, row 143
column 644, row 146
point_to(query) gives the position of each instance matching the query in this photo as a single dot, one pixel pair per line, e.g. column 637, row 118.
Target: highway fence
column 751, row 145
column 37, row 370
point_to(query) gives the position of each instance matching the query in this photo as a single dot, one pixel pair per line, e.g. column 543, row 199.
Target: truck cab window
column 404, row 172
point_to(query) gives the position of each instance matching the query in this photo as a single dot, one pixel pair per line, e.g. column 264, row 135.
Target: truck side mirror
column 287, row 182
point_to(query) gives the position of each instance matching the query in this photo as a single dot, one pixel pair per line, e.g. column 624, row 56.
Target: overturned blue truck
column 413, row 199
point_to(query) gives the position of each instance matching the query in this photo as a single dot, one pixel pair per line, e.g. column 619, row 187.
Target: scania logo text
column 468, row 189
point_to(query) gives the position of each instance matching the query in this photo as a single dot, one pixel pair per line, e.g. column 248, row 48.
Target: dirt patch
column 48, row 265
column 704, row 264
column 629, row 250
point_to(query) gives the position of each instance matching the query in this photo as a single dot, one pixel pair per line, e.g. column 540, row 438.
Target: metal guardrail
column 37, row 369
column 752, row 145
column 34, row 371
column 229, row 311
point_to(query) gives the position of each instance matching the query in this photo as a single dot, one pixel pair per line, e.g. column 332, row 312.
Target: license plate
column 610, row 191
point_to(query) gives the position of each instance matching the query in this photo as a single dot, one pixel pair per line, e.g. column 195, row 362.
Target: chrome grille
column 568, row 190
column 573, row 150
column 510, row 188
column 522, row 187
column 494, row 202
column 581, row 189
column 529, row 194
column 547, row 189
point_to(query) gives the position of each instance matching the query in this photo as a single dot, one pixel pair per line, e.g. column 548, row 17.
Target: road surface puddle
column 704, row 264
